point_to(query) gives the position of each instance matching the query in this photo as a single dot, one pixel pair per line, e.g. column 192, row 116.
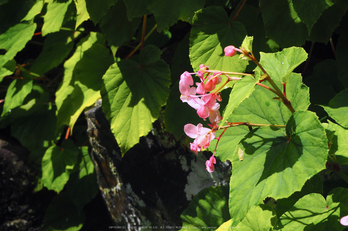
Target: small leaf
column 258, row 218
column 247, row 43
column 278, row 163
column 55, row 15
column 338, row 140
column 338, row 108
column 211, row 32
column 14, row 40
column 82, row 13
column 320, row 215
column 55, row 165
column 133, row 95
column 208, row 208
column 281, row 64
column 7, row 69
column 241, row 90
column 16, row 93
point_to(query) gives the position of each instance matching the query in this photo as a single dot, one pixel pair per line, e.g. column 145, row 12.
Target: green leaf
column 55, row 165
column 35, row 10
column 57, row 47
column 260, row 107
column 7, row 69
column 55, row 16
column 320, row 215
column 278, row 163
column 116, row 26
column 257, row 218
column 137, row 8
column 16, row 93
column 82, row 186
column 247, row 43
column 282, row 24
column 169, row 12
column 82, row 79
column 62, row 214
column 14, row 40
column 281, row 64
column 97, row 9
column 310, row 10
column 241, row 90
column 338, row 140
column 330, row 19
column 338, row 108
column 209, row 208
column 133, row 95
column 82, row 13
column 211, row 32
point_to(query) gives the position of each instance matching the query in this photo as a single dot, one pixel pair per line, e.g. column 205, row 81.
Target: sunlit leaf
column 276, row 162
column 281, row 64
column 56, row 164
column 55, row 15
column 7, row 69
column 258, row 218
column 133, row 95
column 338, row 108
column 211, row 32
column 313, row 212
column 338, row 140
column 82, row 79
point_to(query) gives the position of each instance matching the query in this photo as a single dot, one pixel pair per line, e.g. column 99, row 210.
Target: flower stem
column 235, row 124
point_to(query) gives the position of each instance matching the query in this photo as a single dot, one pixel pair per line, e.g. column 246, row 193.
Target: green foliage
column 58, row 58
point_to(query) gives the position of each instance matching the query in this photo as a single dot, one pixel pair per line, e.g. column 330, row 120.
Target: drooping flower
column 209, row 164
column 203, row 136
column 344, row 220
column 185, row 88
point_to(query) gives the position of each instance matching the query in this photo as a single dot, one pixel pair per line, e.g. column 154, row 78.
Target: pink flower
column 202, row 136
column 230, row 51
column 209, row 164
column 185, row 87
column 344, row 220
column 202, row 70
column 210, row 84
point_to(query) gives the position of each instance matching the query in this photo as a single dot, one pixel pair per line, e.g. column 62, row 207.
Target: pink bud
column 344, row 220
column 210, row 164
column 229, row 51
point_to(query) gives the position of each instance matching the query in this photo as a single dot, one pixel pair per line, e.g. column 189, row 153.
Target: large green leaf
column 133, row 95
column 281, row 64
column 137, row 8
column 82, row 79
column 260, row 107
column 169, row 12
column 207, row 210
column 14, row 40
column 338, row 108
column 56, row 164
column 55, row 16
column 82, row 13
column 313, row 212
column 277, row 163
column 310, row 10
column 116, row 26
column 57, row 47
column 211, row 32
column 16, row 93
column 282, row 23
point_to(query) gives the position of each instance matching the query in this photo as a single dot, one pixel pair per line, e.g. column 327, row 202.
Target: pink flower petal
column 210, row 164
column 344, row 220
column 191, row 130
column 229, row 51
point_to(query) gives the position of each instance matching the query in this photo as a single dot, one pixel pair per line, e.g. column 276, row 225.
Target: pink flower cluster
column 204, row 101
